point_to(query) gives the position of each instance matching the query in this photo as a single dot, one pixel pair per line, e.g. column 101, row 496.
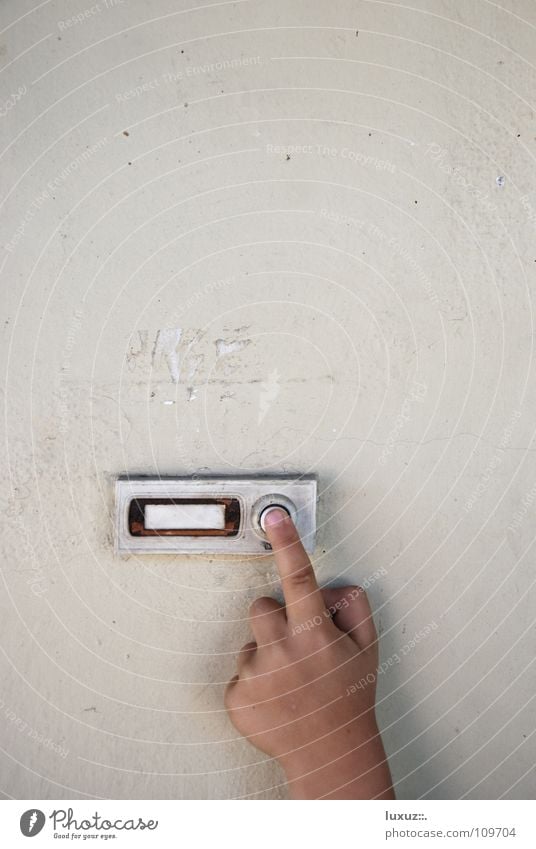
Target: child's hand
column 301, row 694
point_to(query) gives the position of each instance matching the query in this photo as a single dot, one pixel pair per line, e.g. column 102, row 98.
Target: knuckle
column 260, row 607
column 302, row 576
column 355, row 592
column 246, row 655
column 230, row 695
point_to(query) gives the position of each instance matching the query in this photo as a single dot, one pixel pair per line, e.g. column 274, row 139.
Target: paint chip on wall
column 230, row 346
column 166, row 343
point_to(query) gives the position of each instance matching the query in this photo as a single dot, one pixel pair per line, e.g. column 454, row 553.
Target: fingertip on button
column 272, row 516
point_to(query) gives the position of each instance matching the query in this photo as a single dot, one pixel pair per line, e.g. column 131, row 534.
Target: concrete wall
column 251, row 236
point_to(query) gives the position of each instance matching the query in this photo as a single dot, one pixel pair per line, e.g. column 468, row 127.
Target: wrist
column 348, row 763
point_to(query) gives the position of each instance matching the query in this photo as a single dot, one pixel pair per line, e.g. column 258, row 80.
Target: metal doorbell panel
column 209, row 515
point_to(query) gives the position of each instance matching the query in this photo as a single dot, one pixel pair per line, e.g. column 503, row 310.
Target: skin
column 301, row 693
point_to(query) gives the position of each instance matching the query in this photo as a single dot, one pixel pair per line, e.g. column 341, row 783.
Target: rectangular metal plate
column 131, row 492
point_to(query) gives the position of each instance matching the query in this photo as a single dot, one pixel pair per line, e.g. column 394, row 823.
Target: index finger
column 303, row 598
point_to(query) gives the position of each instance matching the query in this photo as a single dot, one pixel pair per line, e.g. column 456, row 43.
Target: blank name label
column 184, row 517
